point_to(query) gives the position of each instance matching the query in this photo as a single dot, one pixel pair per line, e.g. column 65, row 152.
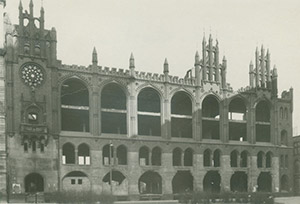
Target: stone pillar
column 168, row 173
column 225, row 173
column 134, row 173
column 132, row 111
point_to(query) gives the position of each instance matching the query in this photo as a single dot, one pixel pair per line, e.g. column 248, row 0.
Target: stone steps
column 148, row 202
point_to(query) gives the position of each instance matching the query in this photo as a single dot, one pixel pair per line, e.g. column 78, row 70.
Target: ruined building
column 137, row 134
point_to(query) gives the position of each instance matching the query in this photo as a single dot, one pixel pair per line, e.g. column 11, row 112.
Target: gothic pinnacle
column 197, row 58
column 95, row 56
column 166, row 66
column 131, row 61
column 20, row 5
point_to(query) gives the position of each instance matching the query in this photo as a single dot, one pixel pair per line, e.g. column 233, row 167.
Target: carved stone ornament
column 32, row 74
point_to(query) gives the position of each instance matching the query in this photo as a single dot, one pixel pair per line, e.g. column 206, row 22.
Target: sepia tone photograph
column 150, row 102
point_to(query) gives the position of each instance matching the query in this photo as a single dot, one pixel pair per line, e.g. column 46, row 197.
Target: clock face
column 32, row 75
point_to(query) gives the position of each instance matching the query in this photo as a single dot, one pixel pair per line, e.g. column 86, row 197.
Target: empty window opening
column 210, row 129
column 237, row 110
column 260, row 159
column 150, row 183
column 116, row 177
column 68, row 155
column 73, row 181
column 210, row 118
column 217, row 158
column 122, row 155
column 83, row 154
column 210, row 107
column 113, row 109
column 156, row 156
column 33, row 146
column 42, row 147
column 181, row 127
column 181, row 115
column 144, row 156
column 182, row 182
column 239, row 182
column 25, row 147
column 264, row 182
column 244, row 159
column 269, row 160
column 79, row 181
column 263, row 133
column 177, row 157
column 149, row 125
column 234, row 158
column 188, row 157
column 207, row 158
column 284, row 184
column 149, row 121
column 211, row 182
column 34, row 182
column 284, row 138
column 108, row 154
column 238, row 131
column 74, row 106
column 262, row 113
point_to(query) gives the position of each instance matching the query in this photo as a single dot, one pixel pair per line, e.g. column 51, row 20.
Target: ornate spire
column 166, row 66
column 20, row 5
column 31, row 7
column 131, row 61
column 95, row 57
column 197, row 58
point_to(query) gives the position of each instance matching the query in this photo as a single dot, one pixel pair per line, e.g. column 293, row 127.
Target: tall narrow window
column 83, row 154
column 181, row 115
column 74, row 106
column 113, row 109
column 149, row 119
column 210, row 118
column 237, row 120
column 263, row 125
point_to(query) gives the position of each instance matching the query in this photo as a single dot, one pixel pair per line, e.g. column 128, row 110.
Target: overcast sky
column 156, row 29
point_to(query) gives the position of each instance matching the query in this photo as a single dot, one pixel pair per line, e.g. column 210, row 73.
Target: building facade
column 133, row 133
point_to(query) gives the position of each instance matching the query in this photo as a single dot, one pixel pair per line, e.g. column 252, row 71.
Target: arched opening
column 149, row 122
column 144, row 156
column 117, row 177
column 74, row 106
column 122, row 155
column 217, row 158
column 244, row 159
column 83, row 154
column 76, row 181
column 237, row 120
column 263, row 127
column 239, row 182
column 234, row 158
column 113, row 109
column 108, row 154
column 177, row 157
column 150, row 183
column 260, row 159
column 284, row 184
column 284, row 138
column 156, row 156
column 68, row 154
column 207, row 158
column 210, row 118
column 211, row 182
column 264, row 182
column 181, row 115
column 269, row 160
column 182, row 182
column 188, row 157
column 34, row 182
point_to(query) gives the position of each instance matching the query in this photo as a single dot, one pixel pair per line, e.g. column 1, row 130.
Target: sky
column 154, row 30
